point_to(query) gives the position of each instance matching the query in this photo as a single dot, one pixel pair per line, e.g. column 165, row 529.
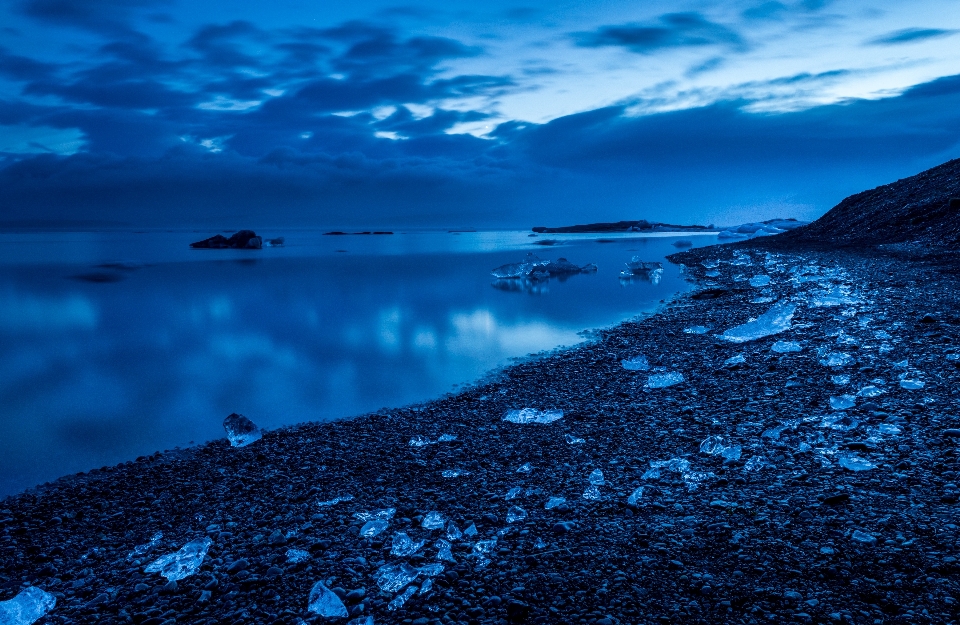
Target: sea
column 115, row 344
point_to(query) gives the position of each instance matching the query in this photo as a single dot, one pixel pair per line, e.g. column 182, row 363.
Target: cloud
column 673, row 30
column 108, row 17
column 910, row 35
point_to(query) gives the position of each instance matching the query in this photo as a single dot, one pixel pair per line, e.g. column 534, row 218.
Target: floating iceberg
column 404, row 546
column 325, row 602
column 184, row 563
column 774, row 321
column 637, row 363
column 533, row 268
column 532, row 415
column 651, row 271
column 663, row 380
column 785, row 347
column 240, row 430
column 393, row 577
column 27, row 607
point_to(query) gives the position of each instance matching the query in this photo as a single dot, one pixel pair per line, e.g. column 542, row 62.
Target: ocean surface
column 114, row 345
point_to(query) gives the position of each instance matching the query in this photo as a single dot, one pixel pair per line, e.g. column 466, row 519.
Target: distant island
column 770, row 226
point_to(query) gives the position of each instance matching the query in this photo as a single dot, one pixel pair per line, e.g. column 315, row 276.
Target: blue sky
column 439, row 114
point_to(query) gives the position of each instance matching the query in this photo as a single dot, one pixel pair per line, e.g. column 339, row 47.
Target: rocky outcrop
column 240, row 240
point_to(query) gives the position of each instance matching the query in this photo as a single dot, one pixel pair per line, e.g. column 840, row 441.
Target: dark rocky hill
column 922, row 209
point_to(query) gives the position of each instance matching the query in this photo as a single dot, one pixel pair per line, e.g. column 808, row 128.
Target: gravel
column 784, row 533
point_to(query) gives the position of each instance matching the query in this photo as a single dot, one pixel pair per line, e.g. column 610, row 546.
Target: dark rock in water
column 240, row 240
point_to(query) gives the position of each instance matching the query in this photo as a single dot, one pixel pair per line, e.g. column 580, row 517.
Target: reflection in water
column 98, row 372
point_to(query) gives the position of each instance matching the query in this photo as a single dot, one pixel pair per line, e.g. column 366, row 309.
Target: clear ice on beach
column 386, row 514
column 757, row 463
column 373, row 528
column 393, row 577
column 532, row 415
column 843, row 402
column 240, row 430
column 444, row 551
column 832, row 296
column 573, row 440
column 139, row 550
column 516, row 513
column 696, row 330
column 553, row 502
column 27, row 607
column 840, row 380
column 297, row 555
column 635, row 496
column 453, row 532
column 836, row 359
column 592, row 493
column 739, row 359
column 759, row 281
column 400, row 599
column 526, row 467
column 777, row 319
column 404, row 546
column 840, row 421
column 596, row 477
column 663, row 380
column 454, row 472
column 433, row 521
column 335, row 500
column 183, row 563
column 853, row 462
column 911, row 385
column 419, row 441
column 863, row 537
column 785, row 347
column 637, row 363
column 513, row 493
column 325, row 602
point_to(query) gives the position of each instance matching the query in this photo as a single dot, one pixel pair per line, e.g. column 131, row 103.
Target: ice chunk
column 573, row 440
column 711, row 264
column 553, row 502
column 433, row 521
column 636, row 496
column 953, row 357
column 325, row 602
column 777, row 319
column 853, row 462
column 784, row 347
column 526, row 467
column 444, row 551
column 889, row 428
column 426, row 586
column 731, row 453
column 297, row 555
column 404, row 546
column 637, row 363
column 596, row 477
column 663, row 380
column 513, row 493
column 870, row 391
column 836, row 359
column 843, row 402
column 713, row 273
column 539, row 543
column 863, row 537
column 696, row 330
column 532, row 415
column 482, row 550
column 419, row 441
column 471, row 531
column 400, row 599
column 911, row 385
column 142, row 549
column 27, row 607
column 832, row 296
column 453, row 532
column 840, row 380
column 592, row 493
column 335, row 500
column 529, row 266
column 739, row 359
column 373, row 528
column 447, row 438
column 393, row 577
column 184, row 563
column 711, row 445
column 385, row 515
column 454, row 472
column 839, row 421
column 431, row 570
column 759, row 281
column 240, row 430
column 756, row 463
column 516, row 513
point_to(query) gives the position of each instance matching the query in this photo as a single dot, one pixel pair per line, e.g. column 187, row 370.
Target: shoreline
column 676, row 547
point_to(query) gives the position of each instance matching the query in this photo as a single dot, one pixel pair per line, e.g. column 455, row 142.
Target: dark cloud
column 910, row 35
column 21, row 68
column 109, row 17
column 673, row 30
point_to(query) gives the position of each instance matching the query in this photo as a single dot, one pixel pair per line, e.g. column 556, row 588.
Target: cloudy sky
column 438, row 114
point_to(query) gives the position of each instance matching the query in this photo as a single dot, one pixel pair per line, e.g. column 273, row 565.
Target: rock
column 563, row 527
column 240, row 240
column 953, row 432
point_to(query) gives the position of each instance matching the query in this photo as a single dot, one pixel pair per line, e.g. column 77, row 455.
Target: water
column 102, row 364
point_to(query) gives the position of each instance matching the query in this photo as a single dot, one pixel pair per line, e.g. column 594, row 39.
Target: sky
column 294, row 113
